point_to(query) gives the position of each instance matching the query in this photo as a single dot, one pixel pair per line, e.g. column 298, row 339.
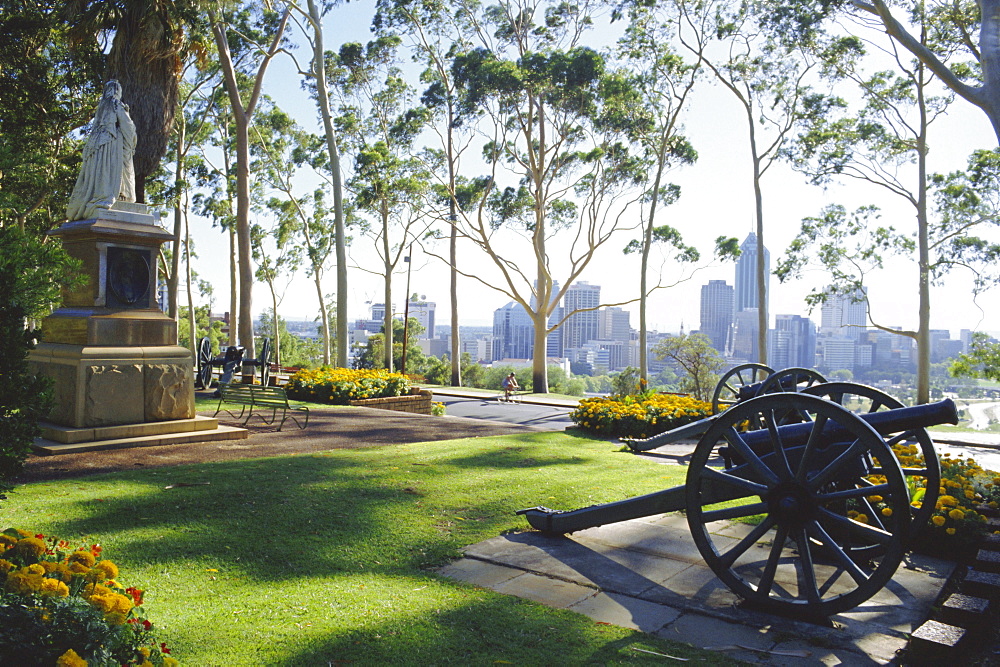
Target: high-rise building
column 717, row 313
column 583, row 326
column 792, row 342
column 513, row 333
column 845, row 315
column 745, row 330
column 746, row 295
column 423, row 312
column 614, row 324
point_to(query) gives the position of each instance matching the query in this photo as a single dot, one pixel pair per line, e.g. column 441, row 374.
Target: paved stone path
column 647, row 574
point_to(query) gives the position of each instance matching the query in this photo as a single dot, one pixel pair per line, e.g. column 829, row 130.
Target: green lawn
column 328, row 558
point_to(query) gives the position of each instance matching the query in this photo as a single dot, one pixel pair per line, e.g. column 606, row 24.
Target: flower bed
column 340, row 386
column 641, row 416
column 957, row 524
column 65, row 607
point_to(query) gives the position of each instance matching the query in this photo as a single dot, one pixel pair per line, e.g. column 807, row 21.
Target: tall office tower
column 845, row 316
column 423, row 312
column 513, row 333
column 745, row 335
column 614, row 324
column 580, row 327
column 746, row 275
column 795, row 345
column 717, row 313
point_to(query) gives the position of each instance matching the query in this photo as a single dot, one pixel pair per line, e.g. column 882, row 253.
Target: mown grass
column 329, row 558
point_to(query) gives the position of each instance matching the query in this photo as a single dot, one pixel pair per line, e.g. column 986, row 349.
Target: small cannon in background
column 829, row 493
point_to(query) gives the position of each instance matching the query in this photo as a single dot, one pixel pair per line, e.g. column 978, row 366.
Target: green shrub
column 639, row 416
column 340, row 386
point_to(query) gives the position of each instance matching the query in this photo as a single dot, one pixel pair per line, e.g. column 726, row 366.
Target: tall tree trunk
column 923, row 259
column 173, row 280
column 192, row 327
column 456, row 342
column 324, row 315
column 242, row 114
column 387, row 338
column 234, row 288
column 647, row 242
column 323, row 96
column 758, row 195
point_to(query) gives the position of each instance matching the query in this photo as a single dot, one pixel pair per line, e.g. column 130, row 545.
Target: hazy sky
column 717, row 199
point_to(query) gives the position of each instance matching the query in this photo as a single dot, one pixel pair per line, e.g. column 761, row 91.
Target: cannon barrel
column 792, row 435
column 885, row 423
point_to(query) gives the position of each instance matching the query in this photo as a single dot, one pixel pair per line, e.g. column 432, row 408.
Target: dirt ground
column 329, row 428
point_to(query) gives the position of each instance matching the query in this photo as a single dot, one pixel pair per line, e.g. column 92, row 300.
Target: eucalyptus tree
column 879, row 144
column 284, row 153
column 49, row 87
column 245, row 52
column 380, row 124
column 557, row 124
column 316, row 80
column 278, row 258
column 436, row 31
column 768, row 79
column 665, row 82
column 967, row 64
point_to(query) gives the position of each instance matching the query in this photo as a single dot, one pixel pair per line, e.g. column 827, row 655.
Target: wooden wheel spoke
column 861, row 492
column 737, row 512
column 784, row 468
column 868, row 534
column 807, row 571
column 773, row 560
column 845, row 561
column 737, row 442
column 752, row 488
column 728, row 559
column 810, row 448
column 855, row 451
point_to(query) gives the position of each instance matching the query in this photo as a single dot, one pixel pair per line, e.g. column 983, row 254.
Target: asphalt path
column 526, row 414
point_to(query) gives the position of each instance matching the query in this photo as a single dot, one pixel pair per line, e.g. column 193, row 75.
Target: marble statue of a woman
column 107, row 174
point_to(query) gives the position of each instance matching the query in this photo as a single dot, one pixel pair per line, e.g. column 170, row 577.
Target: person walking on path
column 509, row 386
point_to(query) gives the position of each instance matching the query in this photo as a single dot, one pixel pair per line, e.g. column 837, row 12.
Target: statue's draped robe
column 107, row 174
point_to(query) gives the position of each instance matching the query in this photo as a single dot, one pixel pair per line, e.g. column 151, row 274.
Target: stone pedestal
column 111, row 352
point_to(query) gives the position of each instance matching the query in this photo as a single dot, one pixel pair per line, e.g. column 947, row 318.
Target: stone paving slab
column 647, row 574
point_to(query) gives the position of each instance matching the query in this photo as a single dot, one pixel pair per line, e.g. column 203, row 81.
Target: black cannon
column 229, row 362
column 825, row 501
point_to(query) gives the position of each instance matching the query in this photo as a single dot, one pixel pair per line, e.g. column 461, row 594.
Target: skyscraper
column 513, row 333
column 845, row 315
column 584, row 326
column 746, row 295
column 717, row 313
column 792, row 342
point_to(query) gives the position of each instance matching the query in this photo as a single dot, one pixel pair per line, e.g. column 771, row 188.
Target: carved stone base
column 111, row 386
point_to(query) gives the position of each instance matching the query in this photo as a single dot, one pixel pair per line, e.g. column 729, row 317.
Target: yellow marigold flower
column 7, row 541
column 861, row 518
column 875, row 499
column 886, row 511
column 948, row 501
column 5, row 565
column 22, row 583
column 78, row 568
column 938, row 520
column 36, row 569
column 956, row 514
column 54, row 588
column 950, row 531
column 82, row 557
column 29, row 547
column 108, row 569
column 70, row 659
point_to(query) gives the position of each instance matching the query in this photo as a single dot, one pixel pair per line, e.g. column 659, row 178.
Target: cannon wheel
column 860, row 399
column 205, row 362
column 790, row 379
column 727, row 391
column 796, row 560
column 265, row 361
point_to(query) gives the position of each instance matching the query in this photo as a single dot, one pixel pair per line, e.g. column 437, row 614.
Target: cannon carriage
column 822, row 506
